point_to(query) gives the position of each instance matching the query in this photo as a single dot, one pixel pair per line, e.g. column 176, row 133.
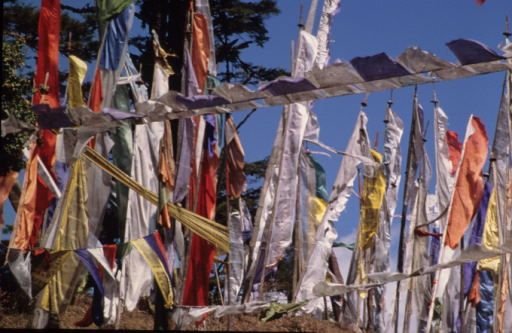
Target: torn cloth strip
column 392, row 165
column 331, row 7
column 282, row 219
column 316, row 268
column 276, row 208
column 296, row 118
column 136, row 278
column 447, row 155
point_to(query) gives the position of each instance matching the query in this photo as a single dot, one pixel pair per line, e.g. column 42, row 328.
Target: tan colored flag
column 235, row 177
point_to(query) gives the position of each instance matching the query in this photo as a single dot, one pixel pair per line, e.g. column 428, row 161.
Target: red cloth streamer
column 47, row 92
column 96, row 95
column 202, row 252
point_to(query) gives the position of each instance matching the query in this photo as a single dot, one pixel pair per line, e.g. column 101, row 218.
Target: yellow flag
column 72, row 233
column 372, row 197
column 317, row 210
column 77, row 71
column 161, row 277
column 490, row 237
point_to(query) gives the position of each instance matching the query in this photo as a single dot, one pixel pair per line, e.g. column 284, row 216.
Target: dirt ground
column 14, row 314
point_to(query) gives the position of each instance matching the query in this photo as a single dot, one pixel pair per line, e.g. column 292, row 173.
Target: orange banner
column 23, row 227
column 6, row 183
column 200, row 49
column 469, row 186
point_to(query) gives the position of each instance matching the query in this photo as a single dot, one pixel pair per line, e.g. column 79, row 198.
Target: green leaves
column 16, row 92
column 239, row 25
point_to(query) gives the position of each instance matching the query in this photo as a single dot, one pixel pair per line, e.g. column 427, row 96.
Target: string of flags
column 129, row 197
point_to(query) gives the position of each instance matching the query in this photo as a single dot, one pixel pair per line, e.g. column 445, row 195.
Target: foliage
column 15, row 101
column 239, row 25
column 18, row 51
column 81, row 23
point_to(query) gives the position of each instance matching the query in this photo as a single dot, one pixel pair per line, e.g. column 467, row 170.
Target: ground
column 15, row 312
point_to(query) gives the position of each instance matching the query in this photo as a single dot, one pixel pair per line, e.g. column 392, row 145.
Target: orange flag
column 6, row 183
column 469, row 186
column 23, row 227
column 36, row 196
column 200, row 50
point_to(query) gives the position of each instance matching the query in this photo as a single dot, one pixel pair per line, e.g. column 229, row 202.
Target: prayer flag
column 235, row 177
column 77, row 71
column 157, row 267
column 7, row 181
column 469, row 185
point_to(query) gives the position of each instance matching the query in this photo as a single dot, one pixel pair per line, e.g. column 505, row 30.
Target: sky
column 368, row 27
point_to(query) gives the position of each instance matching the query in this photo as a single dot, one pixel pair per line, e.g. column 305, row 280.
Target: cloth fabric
column 469, row 185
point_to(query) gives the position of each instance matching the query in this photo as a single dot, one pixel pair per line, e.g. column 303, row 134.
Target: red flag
column 47, row 92
column 202, row 198
column 469, row 186
column 47, row 70
column 96, row 96
column 202, row 252
column 37, row 196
